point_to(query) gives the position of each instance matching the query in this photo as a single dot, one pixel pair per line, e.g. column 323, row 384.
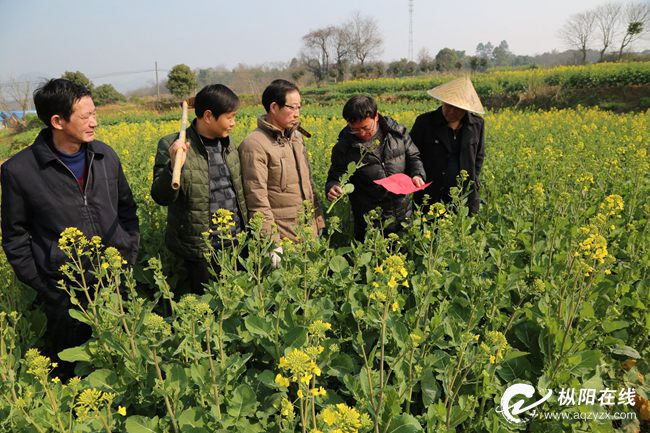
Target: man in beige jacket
column 275, row 165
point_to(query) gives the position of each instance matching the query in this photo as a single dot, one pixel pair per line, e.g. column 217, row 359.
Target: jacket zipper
column 88, row 174
column 228, row 150
column 225, row 149
column 383, row 165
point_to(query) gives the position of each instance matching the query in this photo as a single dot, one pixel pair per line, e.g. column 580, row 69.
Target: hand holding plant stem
column 337, row 192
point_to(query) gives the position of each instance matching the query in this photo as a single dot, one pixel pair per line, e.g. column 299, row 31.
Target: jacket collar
column 264, row 125
column 440, row 126
column 439, row 119
column 194, row 136
column 388, row 125
column 44, row 154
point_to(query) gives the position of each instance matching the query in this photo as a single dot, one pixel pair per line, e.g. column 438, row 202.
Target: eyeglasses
column 292, row 108
column 367, row 129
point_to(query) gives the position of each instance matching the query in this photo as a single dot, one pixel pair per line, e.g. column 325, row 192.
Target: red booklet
column 400, row 184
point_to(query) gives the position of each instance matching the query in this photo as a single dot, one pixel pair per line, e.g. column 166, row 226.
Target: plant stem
column 215, row 389
column 169, row 407
column 101, row 418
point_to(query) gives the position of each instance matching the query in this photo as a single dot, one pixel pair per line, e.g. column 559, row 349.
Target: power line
column 111, row 74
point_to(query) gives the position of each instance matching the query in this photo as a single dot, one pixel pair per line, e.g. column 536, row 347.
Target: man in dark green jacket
column 210, row 180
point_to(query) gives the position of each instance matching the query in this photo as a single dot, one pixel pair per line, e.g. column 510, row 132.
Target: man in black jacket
column 64, row 179
column 451, row 139
column 386, row 149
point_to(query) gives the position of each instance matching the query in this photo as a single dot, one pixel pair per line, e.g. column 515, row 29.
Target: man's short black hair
column 217, row 98
column 277, row 92
column 57, row 96
column 359, row 107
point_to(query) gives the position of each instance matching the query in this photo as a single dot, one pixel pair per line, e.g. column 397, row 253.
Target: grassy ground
column 619, row 99
column 5, row 142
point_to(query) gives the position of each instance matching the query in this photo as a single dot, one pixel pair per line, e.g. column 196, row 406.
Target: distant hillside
column 615, row 86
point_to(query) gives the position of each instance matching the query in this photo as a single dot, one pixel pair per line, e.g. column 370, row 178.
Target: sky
column 109, row 41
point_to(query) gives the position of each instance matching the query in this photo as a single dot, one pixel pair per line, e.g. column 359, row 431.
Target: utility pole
column 157, row 87
column 410, row 30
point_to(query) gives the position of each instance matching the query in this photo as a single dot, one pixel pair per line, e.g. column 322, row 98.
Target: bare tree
column 636, row 18
column 341, row 51
column 578, row 32
column 317, row 50
column 245, row 79
column 14, row 92
column 607, row 18
column 366, row 42
column 425, row 61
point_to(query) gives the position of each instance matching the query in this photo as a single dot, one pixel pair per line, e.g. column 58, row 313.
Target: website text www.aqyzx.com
column 588, row 416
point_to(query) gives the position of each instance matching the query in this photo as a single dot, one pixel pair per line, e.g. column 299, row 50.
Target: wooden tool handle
column 176, row 173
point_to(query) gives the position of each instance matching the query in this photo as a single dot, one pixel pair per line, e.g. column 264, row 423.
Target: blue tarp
column 18, row 113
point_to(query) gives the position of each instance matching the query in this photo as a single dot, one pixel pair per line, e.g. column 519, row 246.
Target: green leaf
column 104, row 380
column 390, row 406
column 348, row 188
column 584, row 362
column 626, row 351
column 587, row 311
column 341, row 365
column 295, row 338
column 76, row 314
column 199, row 374
column 440, row 360
column 528, row 333
column 517, row 368
column 366, row 385
column 364, row 259
column 142, row 424
column 615, row 325
column 192, row 420
column 79, row 353
column 338, row 264
column 458, row 415
column 353, row 385
column 258, row 326
column 400, row 334
column 176, row 376
column 266, row 377
column 42, row 414
column 404, row 423
column 243, row 402
column 430, row 388
column 515, row 354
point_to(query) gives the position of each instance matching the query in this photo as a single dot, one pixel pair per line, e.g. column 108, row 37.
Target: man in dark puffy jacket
column 451, row 139
column 66, row 178
column 211, row 180
column 386, row 149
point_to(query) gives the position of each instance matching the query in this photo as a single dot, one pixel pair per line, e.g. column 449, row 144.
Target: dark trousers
column 63, row 332
column 198, row 274
column 361, row 227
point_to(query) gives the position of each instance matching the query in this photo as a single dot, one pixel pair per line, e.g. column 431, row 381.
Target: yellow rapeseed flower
column 282, row 381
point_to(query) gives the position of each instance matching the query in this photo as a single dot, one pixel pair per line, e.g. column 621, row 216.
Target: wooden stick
column 176, row 173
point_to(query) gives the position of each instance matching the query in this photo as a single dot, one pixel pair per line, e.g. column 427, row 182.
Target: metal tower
column 411, row 30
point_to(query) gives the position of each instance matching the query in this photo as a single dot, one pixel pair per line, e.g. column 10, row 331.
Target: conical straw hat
column 459, row 93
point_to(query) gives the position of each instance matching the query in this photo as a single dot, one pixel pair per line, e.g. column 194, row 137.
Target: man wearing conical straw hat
column 451, row 139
